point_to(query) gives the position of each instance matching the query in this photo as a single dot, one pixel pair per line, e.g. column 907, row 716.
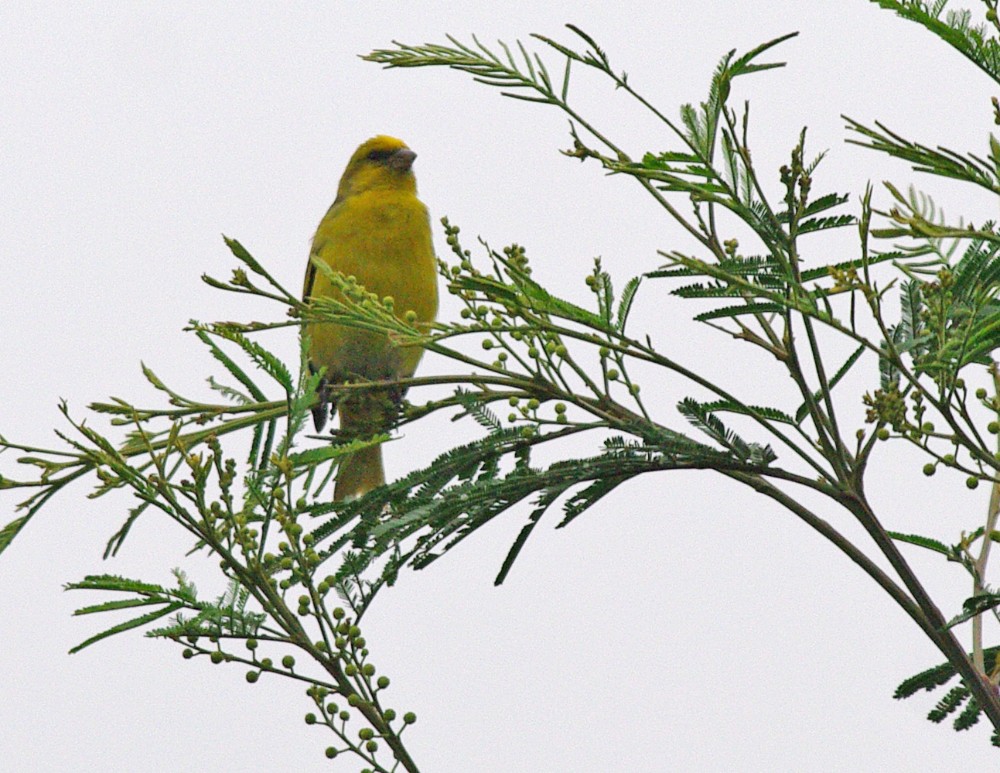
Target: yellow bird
column 378, row 231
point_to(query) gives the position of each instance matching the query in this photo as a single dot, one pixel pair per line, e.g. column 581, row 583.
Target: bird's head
column 380, row 163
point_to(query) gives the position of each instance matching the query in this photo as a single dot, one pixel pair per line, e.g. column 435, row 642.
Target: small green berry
column 366, row 734
column 409, row 718
column 253, row 676
column 217, row 657
column 310, row 718
column 930, row 469
column 383, row 682
column 187, row 654
column 288, row 661
column 972, row 482
column 882, row 433
column 331, row 752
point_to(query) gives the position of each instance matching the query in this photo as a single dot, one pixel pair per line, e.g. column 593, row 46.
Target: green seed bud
column 366, row 734
column 253, row 676
column 930, row 469
column 310, row 718
column 882, row 433
column 288, row 661
column 217, row 657
column 409, row 717
column 383, row 682
column 972, row 482
column 331, row 752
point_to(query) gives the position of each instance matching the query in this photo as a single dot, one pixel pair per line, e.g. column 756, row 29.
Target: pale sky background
column 684, row 624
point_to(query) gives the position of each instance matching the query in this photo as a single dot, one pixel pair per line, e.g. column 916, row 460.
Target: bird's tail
column 359, row 473
column 362, row 416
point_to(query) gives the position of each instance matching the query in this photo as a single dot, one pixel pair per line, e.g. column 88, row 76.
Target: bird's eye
column 379, row 155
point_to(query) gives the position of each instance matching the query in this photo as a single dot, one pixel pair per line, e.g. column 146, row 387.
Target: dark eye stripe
column 379, row 155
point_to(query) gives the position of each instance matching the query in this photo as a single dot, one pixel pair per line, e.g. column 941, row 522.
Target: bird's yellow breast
column 382, row 237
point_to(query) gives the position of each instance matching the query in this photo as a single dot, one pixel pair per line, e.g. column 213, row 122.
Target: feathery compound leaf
column 956, row 29
column 949, row 704
column 826, row 223
column 129, row 625
column 625, row 304
column 227, row 362
column 923, row 542
column 710, row 424
column 939, row 161
column 545, row 500
column 739, row 311
column 11, row 530
column 938, row 676
column 911, row 303
column 757, row 411
column 260, row 356
column 974, row 606
column 969, row 716
column 803, row 410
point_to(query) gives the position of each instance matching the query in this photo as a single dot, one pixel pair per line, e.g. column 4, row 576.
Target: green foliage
column 537, row 368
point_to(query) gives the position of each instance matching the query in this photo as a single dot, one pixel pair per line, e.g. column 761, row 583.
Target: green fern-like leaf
column 949, row 704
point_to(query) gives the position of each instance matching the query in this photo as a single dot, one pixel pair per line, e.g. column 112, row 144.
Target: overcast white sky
column 684, row 624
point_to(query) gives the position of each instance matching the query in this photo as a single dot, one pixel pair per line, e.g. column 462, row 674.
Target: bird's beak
column 402, row 160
